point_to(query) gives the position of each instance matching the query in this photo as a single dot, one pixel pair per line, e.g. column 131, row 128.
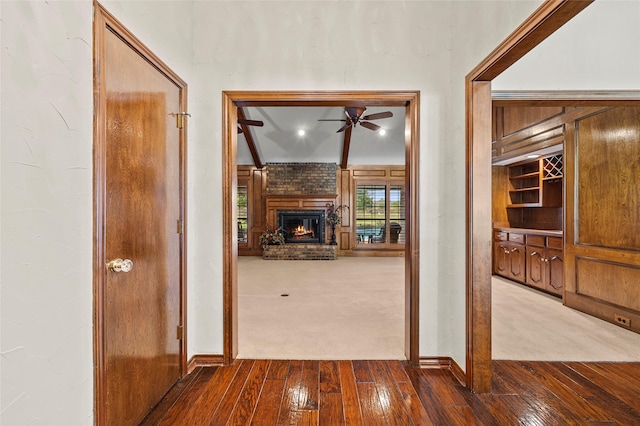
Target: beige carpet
column 353, row 308
column 350, row 308
column 530, row 325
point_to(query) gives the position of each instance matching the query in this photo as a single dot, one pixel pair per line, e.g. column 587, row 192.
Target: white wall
column 46, row 157
column 426, row 46
column 597, row 50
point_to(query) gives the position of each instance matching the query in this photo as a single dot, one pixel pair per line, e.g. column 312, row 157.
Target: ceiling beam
column 250, row 142
column 345, row 148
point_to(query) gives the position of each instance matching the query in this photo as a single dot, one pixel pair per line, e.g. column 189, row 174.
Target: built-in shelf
column 536, row 183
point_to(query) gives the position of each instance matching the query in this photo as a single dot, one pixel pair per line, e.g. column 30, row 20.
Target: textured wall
column 46, row 157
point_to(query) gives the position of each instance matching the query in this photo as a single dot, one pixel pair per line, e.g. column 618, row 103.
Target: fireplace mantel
column 275, row 202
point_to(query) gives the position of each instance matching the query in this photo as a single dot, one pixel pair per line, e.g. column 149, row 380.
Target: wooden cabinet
column 530, row 258
column 509, row 257
column 536, row 183
column 544, row 264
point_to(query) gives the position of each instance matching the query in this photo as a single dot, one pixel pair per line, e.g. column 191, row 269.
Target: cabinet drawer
column 535, row 240
column 518, row 238
column 499, row 236
column 554, row 242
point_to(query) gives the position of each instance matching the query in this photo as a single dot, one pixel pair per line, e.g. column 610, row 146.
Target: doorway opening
column 543, row 22
column 232, row 101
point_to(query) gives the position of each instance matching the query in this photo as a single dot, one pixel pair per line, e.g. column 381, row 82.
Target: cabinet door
column 501, row 259
column 536, row 267
column 517, row 262
column 555, row 282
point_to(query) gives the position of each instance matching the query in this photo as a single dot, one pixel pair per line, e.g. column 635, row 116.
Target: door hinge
column 180, row 119
column 180, row 333
column 180, row 228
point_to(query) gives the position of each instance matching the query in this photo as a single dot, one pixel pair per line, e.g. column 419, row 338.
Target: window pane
column 397, row 214
column 242, row 213
column 370, row 213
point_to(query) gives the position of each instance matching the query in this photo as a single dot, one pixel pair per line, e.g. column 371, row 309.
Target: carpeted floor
column 533, row 326
column 353, row 308
column 350, row 308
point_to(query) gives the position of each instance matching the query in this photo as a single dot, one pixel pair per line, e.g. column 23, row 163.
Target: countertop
column 546, row 232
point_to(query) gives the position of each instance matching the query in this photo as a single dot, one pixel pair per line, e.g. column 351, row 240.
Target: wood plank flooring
column 269, row 392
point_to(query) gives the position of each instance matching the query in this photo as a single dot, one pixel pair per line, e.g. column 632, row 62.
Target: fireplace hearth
column 302, row 226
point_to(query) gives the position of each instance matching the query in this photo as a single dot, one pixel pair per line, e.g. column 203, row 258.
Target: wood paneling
column 499, row 195
column 263, row 208
column 617, row 284
column 602, row 256
column 518, row 118
column 608, row 179
column 255, row 180
column 393, row 393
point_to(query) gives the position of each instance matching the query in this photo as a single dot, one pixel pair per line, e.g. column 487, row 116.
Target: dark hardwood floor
column 263, row 392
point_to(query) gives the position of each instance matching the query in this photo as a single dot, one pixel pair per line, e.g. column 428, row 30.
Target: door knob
column 120, row 265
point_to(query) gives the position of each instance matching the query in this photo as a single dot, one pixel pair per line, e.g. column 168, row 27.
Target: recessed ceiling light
column 301, row 132
column 382, row 132
column 533, row 156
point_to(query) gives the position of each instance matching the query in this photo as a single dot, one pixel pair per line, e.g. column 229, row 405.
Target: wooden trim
column 564, row 98
column 412, row 232
column 478, row 286
column 205, row 360
column 544, row 21
column 102, row 22
column 443, row 363
column 234, row 99
column 229, row 240
column 550, row 16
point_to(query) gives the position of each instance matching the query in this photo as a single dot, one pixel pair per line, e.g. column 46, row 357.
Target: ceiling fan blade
column 332, row 119
column 345, row 127
column 368, row 125
column 355, row 112
column 251, row 122
column 378, row 115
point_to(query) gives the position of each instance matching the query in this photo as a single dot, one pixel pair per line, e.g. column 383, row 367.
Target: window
column 242, row 213
column 380, row 214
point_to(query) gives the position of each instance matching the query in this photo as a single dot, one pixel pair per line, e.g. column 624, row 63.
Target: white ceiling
column 278, row 140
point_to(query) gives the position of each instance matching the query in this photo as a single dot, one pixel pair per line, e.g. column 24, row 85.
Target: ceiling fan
column 354, row 116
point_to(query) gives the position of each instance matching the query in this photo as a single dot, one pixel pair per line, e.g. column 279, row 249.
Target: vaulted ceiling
column 279, row 141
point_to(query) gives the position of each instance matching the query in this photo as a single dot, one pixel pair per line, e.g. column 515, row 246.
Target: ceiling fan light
column 382, row 132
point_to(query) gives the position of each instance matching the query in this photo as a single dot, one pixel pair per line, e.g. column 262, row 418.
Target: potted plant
column 271, row 236
column 334, row 217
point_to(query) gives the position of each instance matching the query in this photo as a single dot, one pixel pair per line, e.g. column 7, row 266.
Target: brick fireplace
column 297, row 195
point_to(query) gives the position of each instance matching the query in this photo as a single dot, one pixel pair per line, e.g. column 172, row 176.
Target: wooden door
column 517, row 262
column 536, row 271
column 140, row 165
column 501, row 259
column 555, row 272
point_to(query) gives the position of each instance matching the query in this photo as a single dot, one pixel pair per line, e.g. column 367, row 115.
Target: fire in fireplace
column 302, row 226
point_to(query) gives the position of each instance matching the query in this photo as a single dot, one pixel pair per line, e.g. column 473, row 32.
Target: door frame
column 231, row 100
column 104, row 21
column 544, row 21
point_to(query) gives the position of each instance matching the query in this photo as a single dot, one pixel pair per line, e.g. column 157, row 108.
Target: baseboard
column 211, row 360
column 445, row 363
